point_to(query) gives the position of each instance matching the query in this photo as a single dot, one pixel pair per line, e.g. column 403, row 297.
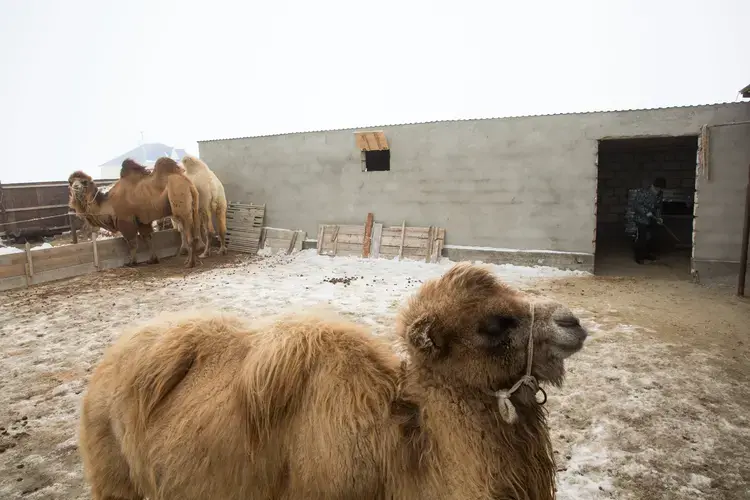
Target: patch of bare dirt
column 664, row 387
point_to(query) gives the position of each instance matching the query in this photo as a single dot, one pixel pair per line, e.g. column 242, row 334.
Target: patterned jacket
column 640, row 202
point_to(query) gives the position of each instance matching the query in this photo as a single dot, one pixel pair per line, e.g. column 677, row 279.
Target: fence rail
column 21, row 269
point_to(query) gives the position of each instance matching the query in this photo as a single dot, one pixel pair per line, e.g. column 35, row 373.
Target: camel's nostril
column 568, row 322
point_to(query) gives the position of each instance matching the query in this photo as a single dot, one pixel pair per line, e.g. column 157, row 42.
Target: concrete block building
column 532, row 189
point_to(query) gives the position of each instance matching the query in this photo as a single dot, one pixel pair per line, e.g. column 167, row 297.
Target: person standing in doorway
column 647, row 206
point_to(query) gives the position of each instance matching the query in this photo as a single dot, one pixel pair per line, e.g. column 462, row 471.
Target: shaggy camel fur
column 211, row 407
column 212, row 201
column 81, row 201
column 142, row 197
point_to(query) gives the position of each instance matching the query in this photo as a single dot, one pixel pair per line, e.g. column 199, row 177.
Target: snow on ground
column 51, row 337
column 9, row 250
column 12, row 250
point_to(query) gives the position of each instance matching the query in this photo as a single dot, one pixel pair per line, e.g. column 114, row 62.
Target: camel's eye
column 497, row 326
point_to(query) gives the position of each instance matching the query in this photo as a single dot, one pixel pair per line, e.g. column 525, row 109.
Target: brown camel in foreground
column 214, row 407
column 141, row 197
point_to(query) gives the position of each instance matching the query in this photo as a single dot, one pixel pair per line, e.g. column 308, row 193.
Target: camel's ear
column 424, row 335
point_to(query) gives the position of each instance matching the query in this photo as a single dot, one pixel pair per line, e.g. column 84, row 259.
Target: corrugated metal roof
column 470, row 120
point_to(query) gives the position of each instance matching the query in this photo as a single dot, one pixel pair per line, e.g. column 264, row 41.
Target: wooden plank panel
column 272, row 232
column 413, row 232
column 244, row 240
column 349, row 249
column 11, row 259
column 343, row 237
column 61, row 251
column 254, row 234
column 330, row 246
column 244, row 215
column 411, row 253
column 65, row 261
column 11, row 270
column 243, row 244
column 371, row 141
column 408, row 241
column 245, row 226
column 277, row 243
column 345, row 229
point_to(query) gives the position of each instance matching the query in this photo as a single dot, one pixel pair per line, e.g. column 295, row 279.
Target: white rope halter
column 505, row 405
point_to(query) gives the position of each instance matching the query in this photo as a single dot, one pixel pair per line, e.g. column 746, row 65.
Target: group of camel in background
column 190, row 196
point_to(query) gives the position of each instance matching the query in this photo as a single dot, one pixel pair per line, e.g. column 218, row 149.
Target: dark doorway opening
column 625, row 165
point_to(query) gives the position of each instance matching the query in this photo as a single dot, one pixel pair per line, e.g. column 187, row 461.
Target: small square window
column 378, row 161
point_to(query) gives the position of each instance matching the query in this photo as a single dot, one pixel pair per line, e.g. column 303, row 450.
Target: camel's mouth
column 570, row 335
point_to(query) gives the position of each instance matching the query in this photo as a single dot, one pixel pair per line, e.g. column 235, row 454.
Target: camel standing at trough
column 81, row 200
column 212, row 407
column 211, row 201
column 138, row 198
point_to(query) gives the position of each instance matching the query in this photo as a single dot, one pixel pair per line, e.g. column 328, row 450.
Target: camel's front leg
column 183, row 243
column 205, row 234
column 130, row 234
column 132, row 250
column 146, row 232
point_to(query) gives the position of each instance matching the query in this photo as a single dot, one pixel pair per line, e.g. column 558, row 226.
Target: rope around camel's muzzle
column 505, row 405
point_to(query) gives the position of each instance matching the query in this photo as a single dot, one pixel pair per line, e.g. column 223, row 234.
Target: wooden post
column 3, row 215
column 430, row 243
column 94, row 234
column 29, row 265
column 335, row 240
column 403, row 238
column 377, row 235
column 292, row 242
column 368, row 236
column 73, row 232
column 745, row 240
column 321, row 235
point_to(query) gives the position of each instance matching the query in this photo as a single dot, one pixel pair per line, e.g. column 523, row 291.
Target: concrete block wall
column 620, row 171
column 525, row 183
column 721, row 201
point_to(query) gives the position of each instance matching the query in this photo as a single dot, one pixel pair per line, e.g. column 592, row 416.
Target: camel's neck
column 514, row 460
column 99, row 204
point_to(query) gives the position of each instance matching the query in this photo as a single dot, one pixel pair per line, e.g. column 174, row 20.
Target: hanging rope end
column 507, row 409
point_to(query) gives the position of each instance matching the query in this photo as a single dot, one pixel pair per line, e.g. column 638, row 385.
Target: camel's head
column 82, row 189
column 191, row 163
column 471, row 329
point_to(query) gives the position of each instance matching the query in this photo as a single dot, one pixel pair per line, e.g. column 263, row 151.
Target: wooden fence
column 373, row 240
column 31, row 267
column 37, row 207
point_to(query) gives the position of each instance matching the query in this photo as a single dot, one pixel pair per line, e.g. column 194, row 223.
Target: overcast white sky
column 82, row 78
